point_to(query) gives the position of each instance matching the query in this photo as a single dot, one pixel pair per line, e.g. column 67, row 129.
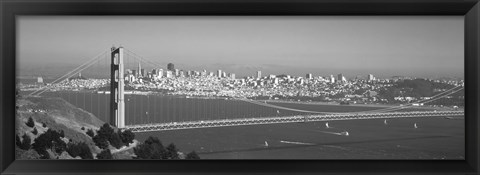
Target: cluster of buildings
column 223, row 84
column 140, row 74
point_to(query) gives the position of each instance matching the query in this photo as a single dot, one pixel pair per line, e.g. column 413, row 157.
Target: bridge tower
column 117, row 103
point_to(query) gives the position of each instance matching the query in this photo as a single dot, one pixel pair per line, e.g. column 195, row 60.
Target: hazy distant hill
column 415, row 88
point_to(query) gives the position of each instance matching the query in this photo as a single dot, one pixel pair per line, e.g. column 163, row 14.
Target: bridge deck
column 290, row 119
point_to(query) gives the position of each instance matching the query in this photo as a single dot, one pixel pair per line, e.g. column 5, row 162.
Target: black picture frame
column 9, row 9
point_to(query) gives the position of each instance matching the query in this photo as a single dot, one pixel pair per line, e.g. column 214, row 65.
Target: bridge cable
column 74, row 71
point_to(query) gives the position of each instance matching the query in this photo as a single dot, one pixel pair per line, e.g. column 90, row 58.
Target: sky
column 419, row 46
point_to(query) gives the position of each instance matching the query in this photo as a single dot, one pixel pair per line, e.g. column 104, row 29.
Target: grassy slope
column 57, row 114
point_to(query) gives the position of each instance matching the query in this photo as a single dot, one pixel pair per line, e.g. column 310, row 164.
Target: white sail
column 385, row 122
column 326, row 124
column 415, row 125
column 266, row 143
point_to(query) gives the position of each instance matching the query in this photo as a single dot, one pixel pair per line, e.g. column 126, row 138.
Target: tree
column 90, row 133
column 73, row 149
column 79, row 149
column 192, row 155
column 105, row 131
column 34, row 132
column 100, row 142
column 83, row 128
column 104, row 134
column 152, row 148
column 44, row 125
column 85, row 152
column 115, row 140
column 172, row 152
column 153, row 140
column 105, row 154
column 59, row 146
column 49, row 140
column 143, row 151
column 18, row 141
column 62, row 134
column 30, row 123
column 25, row 144
column 127, row 137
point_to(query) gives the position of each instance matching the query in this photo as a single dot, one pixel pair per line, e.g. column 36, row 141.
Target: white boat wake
column 345, row 133
column 296, row 143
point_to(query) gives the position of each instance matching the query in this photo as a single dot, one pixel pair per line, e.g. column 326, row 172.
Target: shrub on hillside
column 79, row 149
column 49, row 140
column 85, row 152
column 105, row 131
column 152, row 148
column 62, row 134
column 34, row 132
column 127, row 137
column 18, row 141
column 90, row 133
column 30, row 123
column 192, row 155
column 172, row 151
column 102, row 143
column 115, row 140
column 105, row 154
column 44, row 125
column 25, row 143
column 73, row 149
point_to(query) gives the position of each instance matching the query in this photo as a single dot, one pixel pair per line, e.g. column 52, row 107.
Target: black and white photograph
column 240, row 87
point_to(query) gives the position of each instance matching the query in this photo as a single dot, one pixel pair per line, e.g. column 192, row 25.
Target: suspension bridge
column 119, row 91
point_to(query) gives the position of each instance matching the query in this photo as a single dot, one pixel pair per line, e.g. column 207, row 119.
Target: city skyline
column 241, row 45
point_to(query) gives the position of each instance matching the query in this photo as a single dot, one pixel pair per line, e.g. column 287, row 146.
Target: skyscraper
column 309, row 76
column 341, row 78
column 142, row 72
column 370, row 77
column 177, row 72
column 170, row 67
column 332, row 79
column 169, row 74
column 135, row 73
column 259, row 74
column 40, row 80
column 160, row 73
column 139, row 70
column 219, row 73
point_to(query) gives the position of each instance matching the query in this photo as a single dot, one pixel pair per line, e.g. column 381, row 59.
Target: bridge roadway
column 289, row 119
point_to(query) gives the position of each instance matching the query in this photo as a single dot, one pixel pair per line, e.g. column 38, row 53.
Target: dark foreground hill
column 55, row 114
column 52, row 128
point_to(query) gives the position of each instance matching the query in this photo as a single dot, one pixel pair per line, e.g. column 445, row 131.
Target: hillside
column 58, row 115
column 52, row 128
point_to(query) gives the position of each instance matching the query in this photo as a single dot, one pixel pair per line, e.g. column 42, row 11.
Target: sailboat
column 385, row 122
column 345, row 133
column 326, row 124
column 278, row 112
column 266, row 144
column 415, row 125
